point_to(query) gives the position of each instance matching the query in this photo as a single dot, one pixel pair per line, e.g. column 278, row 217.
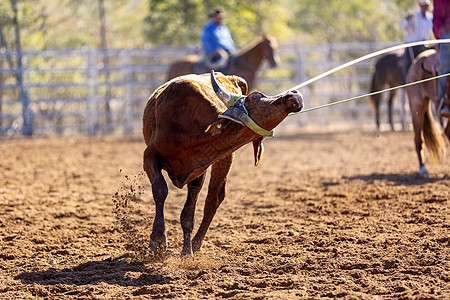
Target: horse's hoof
column 154, row 246
column 423, row 172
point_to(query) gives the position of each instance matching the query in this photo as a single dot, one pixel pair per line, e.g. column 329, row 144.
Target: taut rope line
column 370, row 55
column 370, row 94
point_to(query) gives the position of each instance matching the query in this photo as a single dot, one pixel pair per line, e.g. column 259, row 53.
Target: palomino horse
column 419, row 102
column 244, row 64
column 388, row 72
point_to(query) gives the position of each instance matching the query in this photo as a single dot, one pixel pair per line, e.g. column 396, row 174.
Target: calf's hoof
column 196, row 245
column 186, row 253
column 155, row 246
column 158, row 242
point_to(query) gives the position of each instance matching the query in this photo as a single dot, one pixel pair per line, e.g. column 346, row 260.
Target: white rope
column 367, row 57
column 370, row 94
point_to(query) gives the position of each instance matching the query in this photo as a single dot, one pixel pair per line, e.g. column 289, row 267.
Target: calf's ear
column 258, row 150
column 217, row 127
column 241, row 83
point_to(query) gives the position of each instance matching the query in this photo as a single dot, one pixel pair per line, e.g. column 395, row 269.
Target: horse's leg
column 158, row 237
column 375, row 99
column 187, row 215
column 216, row 194
column 418, row 116
column 376, row 106
column 391, row 99
column 403, row 108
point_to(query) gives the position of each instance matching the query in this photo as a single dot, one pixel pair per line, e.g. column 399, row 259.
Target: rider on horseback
column 418, row 27
column 216, row 40
column 441, row 29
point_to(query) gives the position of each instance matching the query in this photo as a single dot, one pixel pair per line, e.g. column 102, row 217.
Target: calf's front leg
column 158, row 238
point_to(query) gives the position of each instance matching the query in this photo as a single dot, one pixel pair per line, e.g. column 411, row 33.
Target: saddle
column 431, row 65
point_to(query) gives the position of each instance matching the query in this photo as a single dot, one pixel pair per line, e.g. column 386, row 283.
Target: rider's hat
column 218, row 13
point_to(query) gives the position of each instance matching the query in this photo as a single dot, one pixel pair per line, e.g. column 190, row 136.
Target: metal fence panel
column 103, row 92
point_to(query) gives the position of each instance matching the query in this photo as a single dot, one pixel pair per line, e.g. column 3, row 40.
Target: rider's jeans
column 444, row 67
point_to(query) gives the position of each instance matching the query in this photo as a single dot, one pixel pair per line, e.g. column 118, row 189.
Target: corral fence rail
column 91, row 92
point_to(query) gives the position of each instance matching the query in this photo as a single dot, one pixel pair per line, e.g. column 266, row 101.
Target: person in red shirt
column 441, row 30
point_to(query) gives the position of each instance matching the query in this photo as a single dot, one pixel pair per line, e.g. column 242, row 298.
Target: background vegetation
column 136, row 23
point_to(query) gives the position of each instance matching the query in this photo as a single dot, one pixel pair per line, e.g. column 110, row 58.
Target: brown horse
column 244, row 64
column 388, row 72
column 419, row 102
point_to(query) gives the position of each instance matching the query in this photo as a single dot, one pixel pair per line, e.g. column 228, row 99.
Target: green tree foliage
column 175, row 22
column 134, row 23
column 347, row 20
column 170, row 22
column 75, row 23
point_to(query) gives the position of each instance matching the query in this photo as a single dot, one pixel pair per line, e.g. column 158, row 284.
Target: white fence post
column 300, row 74
column 127, row 111
column 91, row 86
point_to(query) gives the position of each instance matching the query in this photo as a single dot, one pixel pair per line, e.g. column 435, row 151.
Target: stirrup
column 441, row 102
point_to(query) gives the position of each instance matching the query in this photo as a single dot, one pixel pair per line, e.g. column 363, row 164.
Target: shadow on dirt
column 108, row 271
column 402, row 179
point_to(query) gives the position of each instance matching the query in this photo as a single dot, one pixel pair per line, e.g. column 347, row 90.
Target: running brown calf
column 196, row 121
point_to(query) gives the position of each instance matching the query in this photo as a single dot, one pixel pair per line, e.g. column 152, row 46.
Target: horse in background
column 421, row 96
column 389, row 71
column 244, row 64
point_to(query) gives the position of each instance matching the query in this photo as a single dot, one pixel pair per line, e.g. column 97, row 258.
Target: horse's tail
column 433, row 137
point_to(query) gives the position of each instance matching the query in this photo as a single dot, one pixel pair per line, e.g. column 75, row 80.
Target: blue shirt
column 215, row 37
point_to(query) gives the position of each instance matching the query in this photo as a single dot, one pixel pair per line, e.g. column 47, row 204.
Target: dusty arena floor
column 325, row 215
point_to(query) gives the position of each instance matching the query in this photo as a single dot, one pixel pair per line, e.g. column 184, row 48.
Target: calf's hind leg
column 215, row 196
column 158, row 238
column 188, row 212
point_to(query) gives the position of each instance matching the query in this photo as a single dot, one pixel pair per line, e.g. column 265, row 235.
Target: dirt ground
column 327, row 214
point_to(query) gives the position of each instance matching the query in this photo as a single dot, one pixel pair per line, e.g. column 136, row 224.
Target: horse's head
column 270, row 50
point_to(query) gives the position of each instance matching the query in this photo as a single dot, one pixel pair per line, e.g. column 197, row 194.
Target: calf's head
column 265, row 111
column 257, row 111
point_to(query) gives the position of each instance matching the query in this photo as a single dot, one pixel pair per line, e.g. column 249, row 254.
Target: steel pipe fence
column 92, row 92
